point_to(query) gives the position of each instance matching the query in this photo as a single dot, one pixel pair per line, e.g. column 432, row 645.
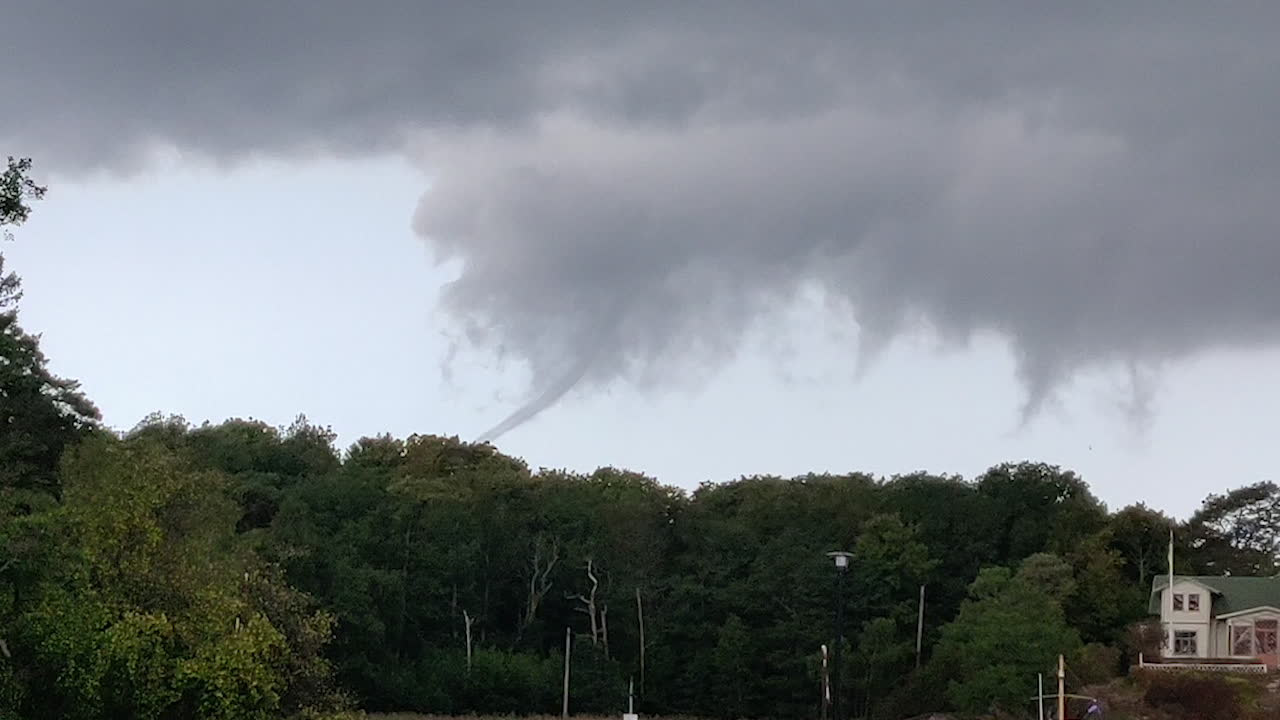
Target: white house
column 1218, row 618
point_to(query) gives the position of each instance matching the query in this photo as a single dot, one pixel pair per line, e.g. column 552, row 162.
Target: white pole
column 1168, row 649
column 1040, row 694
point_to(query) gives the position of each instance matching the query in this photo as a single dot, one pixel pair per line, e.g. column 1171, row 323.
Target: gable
column 1230, row 594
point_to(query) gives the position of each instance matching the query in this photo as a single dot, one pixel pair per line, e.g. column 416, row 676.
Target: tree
column 732, row 657
column 1141, row 536
column 1238, row 533
column 1038, row 507
column 41, row 414
column 1051, row 574
column 1103, row 603
column 155, row 609
column 890, row 565
column 1009, row 630
column 883, row 655
column 17, row 190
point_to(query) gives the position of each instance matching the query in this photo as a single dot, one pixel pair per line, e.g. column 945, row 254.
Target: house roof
column 1231, row 594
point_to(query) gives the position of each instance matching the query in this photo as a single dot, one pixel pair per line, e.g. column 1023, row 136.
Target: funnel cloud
column 629, row 190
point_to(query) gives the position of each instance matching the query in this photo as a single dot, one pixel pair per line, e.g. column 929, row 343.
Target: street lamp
column 842, row 568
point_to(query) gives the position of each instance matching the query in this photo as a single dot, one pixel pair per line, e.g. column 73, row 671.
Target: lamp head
column 841, row 559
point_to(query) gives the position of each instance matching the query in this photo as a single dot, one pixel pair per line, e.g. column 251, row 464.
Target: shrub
column 1193, row 695
column 1143, row 638
column 1096, row 663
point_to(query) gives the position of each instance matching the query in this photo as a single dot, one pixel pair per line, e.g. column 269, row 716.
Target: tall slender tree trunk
column 404, row 592
column 640, row 624
column 604, row 629
column 467, row 620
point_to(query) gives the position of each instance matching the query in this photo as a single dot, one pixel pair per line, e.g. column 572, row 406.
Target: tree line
column 240, row 570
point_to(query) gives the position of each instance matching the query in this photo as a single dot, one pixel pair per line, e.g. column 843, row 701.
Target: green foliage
column 17, row 190
column 1009, row 630
column 1095, row 663
column 1198, row 696
column 41, row 414
column 1238, row 533
column 151, row 611
column 1141, row 536
column 884, row 654
column 732, row 660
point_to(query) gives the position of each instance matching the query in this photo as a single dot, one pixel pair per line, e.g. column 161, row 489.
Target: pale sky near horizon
column 850, row 237
column 151, row 292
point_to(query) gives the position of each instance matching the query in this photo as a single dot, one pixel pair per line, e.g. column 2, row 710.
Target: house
column 1218, row 618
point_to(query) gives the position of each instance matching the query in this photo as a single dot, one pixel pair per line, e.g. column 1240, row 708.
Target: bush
column 1096, row 663
column 1192, row 695
column 1143, row 638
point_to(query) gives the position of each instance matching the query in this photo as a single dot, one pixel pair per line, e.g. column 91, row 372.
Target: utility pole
column 1062, row 679
column 920, row 629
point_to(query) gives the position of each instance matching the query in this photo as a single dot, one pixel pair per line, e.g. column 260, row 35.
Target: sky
column 696, row 240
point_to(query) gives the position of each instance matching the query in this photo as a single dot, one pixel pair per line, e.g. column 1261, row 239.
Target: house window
column 1177, row 601
column 1184, row 642
column 1242, row 640
column 1193, row 602
column 1264, row 637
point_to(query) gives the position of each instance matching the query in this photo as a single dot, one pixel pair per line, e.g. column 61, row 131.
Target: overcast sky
column 694, row 239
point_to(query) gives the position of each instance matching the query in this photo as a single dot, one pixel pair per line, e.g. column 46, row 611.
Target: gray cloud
column 630, row 188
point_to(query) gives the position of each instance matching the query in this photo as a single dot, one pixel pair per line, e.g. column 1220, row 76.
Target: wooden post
column 1062, row 679
column 920, row 628
column 564, row 704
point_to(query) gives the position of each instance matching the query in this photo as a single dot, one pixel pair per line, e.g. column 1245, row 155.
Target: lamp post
column 842, row 568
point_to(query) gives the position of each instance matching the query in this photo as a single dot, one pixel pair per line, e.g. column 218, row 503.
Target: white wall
column 1198, row 621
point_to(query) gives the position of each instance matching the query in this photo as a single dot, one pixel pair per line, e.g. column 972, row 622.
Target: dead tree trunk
column 588, row 603
column 604, row 629
column 466, row 622
column 545, row 557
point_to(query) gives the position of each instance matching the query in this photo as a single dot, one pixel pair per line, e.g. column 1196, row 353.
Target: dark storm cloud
column 630, row 187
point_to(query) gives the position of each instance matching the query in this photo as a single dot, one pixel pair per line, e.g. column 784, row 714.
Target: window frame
column 1267, row 627
column 1186, row 638
column 1237, row 631
column 1193, row 602
column 1178, row 603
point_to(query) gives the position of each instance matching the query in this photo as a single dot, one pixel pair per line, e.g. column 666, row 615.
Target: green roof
column 1231, row 594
